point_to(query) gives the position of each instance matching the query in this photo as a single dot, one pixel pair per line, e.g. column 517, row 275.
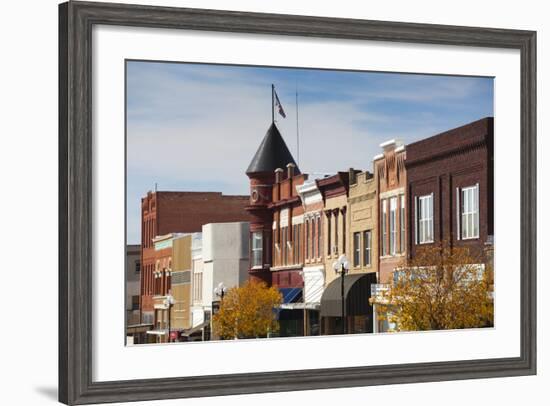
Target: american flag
column 279, row 106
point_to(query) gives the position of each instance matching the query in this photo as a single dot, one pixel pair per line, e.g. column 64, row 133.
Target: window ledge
column 401, row 254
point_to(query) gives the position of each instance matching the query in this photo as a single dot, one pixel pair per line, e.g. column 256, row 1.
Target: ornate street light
column 169, row 301
column 342, row 267
column 220, row 290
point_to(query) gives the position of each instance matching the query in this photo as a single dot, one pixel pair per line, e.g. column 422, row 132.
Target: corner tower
column 272, row 154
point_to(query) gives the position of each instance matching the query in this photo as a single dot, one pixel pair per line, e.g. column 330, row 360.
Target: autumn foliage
column 441, row 288
column 247, row 312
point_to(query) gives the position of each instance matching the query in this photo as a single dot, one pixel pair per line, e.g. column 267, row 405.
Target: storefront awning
column 314, row 283
column 138, row 328
column 195, row 329
column 290, row 295
column 157, row 332
column 299, row 306
column 357, row 291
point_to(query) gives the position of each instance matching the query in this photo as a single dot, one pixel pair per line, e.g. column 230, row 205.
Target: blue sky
column 196, row 127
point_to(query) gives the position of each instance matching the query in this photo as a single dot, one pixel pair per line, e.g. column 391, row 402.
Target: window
column 344, row 231
column 307, row 239
column 335, row 232
column 402, row 225
column 138, row 266
column 197, row 286
column 470, row 212
column 393, row 225
column 367, row 245
column 319, row 236
column 329, row 237
column 425, row 219
column 135, row 302
column 356, row 249
column 296, row 242
column 313, row 232
column 384, row 227
column 257, row 248
column 284, row 246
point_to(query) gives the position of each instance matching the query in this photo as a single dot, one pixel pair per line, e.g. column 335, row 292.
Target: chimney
column 278, row 175
column 352, row 177
column 290, row 170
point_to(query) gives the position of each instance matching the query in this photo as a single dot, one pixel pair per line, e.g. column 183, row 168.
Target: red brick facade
column 442, row 166
column 391, row 177
column 261, row 219
column 179, row 212
column 287, row 231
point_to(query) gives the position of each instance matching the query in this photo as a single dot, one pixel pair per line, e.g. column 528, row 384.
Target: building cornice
column 463, row 149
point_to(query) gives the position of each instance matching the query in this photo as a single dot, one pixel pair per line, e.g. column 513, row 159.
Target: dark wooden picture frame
column 76, row 20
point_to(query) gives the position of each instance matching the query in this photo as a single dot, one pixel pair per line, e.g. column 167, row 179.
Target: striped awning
column 290, row 295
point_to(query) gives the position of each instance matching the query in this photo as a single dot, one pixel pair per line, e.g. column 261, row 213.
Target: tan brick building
column 181, row 285
column 334, row 190
column 363, row 222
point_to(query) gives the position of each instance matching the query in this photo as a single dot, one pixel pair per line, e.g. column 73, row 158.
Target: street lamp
column 169, row 301
column 342, row 267
column 220, row 290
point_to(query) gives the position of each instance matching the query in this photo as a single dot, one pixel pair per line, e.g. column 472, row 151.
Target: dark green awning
column 356, row 296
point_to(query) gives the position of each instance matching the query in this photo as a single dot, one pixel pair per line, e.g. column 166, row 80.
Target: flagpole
column 297, row 130
column 272, row 104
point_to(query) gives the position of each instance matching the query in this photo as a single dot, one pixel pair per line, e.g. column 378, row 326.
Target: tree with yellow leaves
column 442, row 287
column 247, row 312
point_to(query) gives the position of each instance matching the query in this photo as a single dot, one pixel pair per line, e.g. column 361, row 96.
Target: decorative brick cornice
column 285, row 202
column 463, row 149
column 366, row 196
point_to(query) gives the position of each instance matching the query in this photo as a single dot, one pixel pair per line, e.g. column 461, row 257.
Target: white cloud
column 200, row 129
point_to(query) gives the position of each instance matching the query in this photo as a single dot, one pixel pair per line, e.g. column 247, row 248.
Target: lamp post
column 342, row 267
column 169, row 302
column 220, row 290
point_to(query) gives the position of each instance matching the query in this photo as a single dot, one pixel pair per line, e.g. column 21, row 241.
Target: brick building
column 134, row 331
column 272, row 155
column 334, row 190
column 449, row 198
column 163, row 213
column 313, row 252
column 180, row 285
column 277, row 231
column 363, row 222
column 161, row 288
column 337, row 241
column 450, row 188
column 391, row 182
column 287, row 233
column 288, row 249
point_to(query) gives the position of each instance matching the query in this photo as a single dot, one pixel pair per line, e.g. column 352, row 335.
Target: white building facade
column 220, row 256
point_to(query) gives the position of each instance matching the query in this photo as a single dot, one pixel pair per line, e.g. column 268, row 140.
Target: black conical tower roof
column 271, row 154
